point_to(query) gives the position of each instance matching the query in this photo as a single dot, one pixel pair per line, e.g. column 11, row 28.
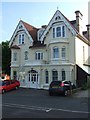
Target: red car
column 8, row 85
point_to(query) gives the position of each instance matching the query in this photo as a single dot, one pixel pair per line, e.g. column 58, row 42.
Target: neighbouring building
column 57, row 51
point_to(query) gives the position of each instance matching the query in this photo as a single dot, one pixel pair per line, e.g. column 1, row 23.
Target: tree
column 6, row 57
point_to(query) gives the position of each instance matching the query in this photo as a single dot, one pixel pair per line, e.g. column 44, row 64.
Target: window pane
column 53, row 32
column 54, row 75
column 19, row 39
column 58, row 31
column 41, row 55
column 55, row 53
column 63, row 31
column 38, row 56
column 63, row 53
column 15, row 56
column 63, row 75
column 22, row 38
column 46, row 74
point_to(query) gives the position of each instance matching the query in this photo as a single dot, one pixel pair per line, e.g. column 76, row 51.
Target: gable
column 57, row 18
column 24, row 27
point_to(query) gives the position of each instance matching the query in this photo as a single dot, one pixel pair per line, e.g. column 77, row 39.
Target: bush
column 84, row 86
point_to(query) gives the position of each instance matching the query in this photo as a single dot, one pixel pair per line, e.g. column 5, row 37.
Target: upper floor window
column 26, row 55
column 59, row 31
column 21, row 39
column 63, row 31
column 63, row 53
column 39, row 56
column 55, row 52
column 15, row 56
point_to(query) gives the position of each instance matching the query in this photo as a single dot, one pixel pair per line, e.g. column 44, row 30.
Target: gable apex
column 29, row 29
column 57, row 17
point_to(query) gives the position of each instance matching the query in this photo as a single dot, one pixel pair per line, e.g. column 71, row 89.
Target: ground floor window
column 33, row 76
column 63, row 74
column 14, row 74
column 47, row 76
column 54, row 75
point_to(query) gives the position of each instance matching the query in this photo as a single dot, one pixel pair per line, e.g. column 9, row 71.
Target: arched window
column 63, row 74
column 46, row 76
column 54, row 75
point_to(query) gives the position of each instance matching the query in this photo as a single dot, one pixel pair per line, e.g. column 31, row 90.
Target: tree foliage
column 6, row 57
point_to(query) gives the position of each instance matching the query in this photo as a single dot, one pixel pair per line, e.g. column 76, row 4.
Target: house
column 57, row 51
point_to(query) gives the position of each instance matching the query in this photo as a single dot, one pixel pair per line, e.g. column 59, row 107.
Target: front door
column 33, row 79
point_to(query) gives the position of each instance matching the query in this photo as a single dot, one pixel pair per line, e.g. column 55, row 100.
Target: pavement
column 82, row 93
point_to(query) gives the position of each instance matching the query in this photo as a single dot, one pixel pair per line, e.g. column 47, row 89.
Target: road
column 31, row 103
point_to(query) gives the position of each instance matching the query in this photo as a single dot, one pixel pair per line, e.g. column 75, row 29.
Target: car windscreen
column 55, row 83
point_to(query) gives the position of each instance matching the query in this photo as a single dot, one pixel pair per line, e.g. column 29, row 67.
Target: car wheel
column 3, row 91
column 17, row 87
column 66, row 93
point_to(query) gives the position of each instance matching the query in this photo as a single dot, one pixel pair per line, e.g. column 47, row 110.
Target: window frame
column 54, row 75
column 55, row 53
column 15, row 56
column 39, row 56
column 63, row 53
column 61, row 33
column 21, row 39
column 63, row 74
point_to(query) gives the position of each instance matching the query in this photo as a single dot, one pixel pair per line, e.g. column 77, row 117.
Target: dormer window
column 21, row 39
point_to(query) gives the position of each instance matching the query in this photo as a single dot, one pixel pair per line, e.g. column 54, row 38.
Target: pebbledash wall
column 52, row 57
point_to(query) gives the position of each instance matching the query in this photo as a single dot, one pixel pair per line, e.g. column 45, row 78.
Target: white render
column 74, row 55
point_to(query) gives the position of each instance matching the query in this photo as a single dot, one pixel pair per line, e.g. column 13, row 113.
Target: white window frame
column 39, row 56
column 55, row 53
column 63, row 53
column 62, row 32
column 15, row 56
column 21, row 39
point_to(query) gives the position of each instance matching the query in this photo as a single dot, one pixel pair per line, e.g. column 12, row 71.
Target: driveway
column 82, row 94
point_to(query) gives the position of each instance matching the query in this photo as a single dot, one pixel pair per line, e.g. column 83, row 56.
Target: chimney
column 79, row 21
column 88, row 31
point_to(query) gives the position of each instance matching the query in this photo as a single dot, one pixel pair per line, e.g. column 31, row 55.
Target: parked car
column 61, row 87
column 8, row 85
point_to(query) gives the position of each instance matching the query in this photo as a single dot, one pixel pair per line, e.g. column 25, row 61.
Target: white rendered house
column 57, row 51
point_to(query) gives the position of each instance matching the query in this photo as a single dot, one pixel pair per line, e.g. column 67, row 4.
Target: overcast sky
column 37, row 13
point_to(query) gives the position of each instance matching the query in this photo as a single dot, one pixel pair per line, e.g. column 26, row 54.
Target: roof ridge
column 28, row 24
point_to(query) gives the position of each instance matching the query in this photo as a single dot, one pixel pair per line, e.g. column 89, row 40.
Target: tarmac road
column 32, row 103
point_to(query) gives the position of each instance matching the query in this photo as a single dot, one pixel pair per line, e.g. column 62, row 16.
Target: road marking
column 42, row 108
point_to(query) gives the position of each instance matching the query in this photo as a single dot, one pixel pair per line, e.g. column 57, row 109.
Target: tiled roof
column 15, row 47
column 37, row 44
column 32, row 30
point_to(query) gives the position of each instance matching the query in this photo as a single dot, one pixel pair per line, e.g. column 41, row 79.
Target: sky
column 37, row 13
